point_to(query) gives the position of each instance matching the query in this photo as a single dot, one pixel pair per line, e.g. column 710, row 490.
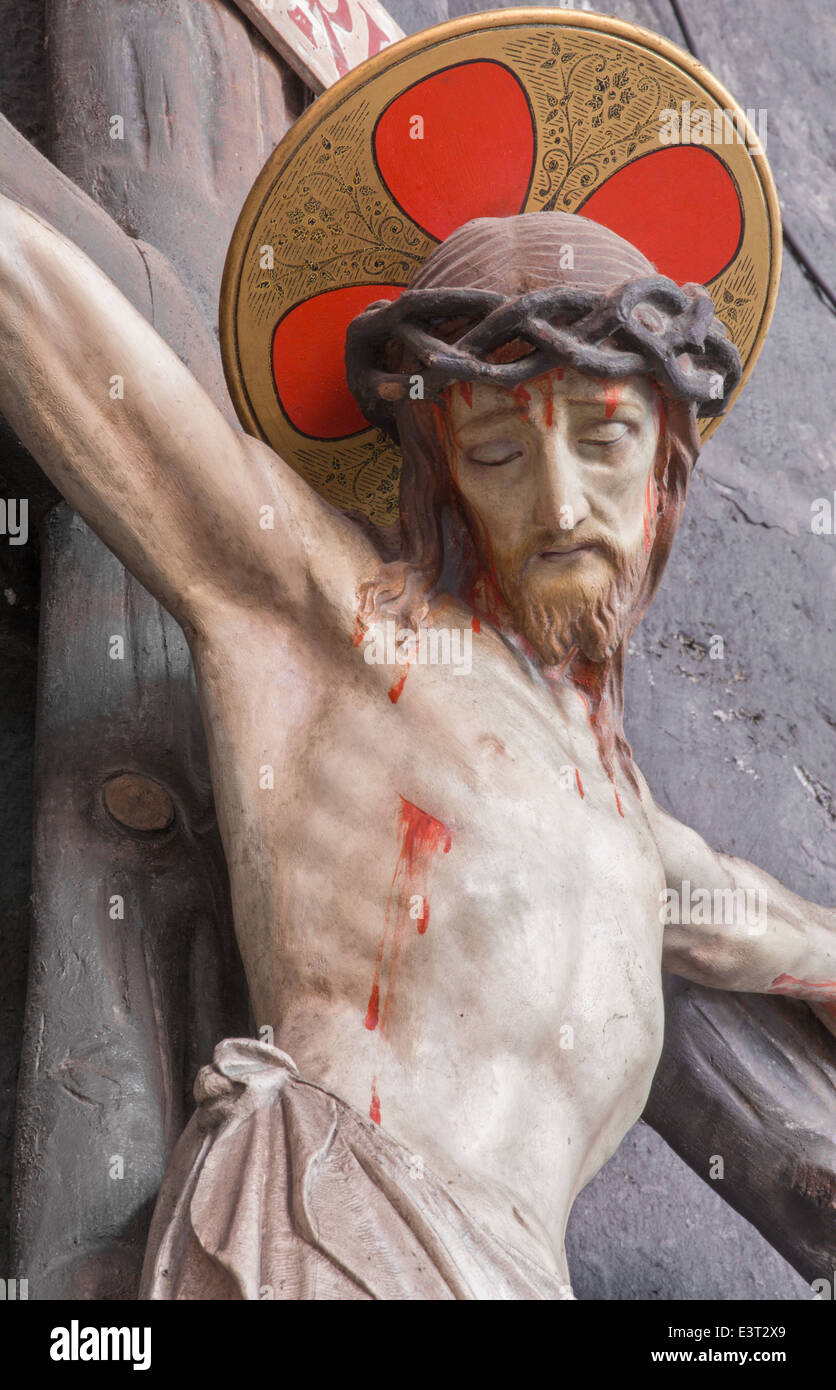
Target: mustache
column 549, row 539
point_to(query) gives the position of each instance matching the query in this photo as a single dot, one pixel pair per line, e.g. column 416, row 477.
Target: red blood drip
column 421, row 837
column 545, row 387
column 522, row 400
column 593, row 681
column 374, row 1108
column 441, row 422
column 373, row 1011
column 612, row 396
column 396, row 689
column 802, row 989
column 359, row 630
column 466, row 388
column 651, row 496
column 475, row 624
column 618, row 802
column 578, row 780
column 589, row 679
column 494, row 605
column 484, row 593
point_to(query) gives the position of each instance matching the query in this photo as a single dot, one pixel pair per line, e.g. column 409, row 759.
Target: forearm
column 731, row 925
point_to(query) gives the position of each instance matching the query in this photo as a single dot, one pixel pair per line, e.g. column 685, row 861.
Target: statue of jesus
column 451, row 887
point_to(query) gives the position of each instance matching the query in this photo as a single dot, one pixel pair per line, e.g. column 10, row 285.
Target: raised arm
column 137, row 447
column 730, row 925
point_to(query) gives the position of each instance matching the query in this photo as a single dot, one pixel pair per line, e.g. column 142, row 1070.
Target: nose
column 560, row 502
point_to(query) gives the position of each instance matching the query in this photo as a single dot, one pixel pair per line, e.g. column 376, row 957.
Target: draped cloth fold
column 279, row 1189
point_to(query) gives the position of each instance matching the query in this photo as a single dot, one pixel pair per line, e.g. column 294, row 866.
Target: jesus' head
column 557, row 480
column 543, row 382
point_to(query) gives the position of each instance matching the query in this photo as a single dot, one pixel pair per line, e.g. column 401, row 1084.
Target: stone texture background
column 742, row 748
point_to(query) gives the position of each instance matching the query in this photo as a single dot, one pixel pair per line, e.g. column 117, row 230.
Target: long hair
column 437, row 549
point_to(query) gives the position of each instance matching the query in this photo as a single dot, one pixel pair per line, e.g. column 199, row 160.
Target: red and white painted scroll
column 322, row 40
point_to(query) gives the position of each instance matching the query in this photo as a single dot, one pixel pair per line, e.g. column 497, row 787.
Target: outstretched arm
column 138, row 448
column 730, row 925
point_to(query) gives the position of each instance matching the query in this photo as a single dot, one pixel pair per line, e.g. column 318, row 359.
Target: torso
column 515, row 1027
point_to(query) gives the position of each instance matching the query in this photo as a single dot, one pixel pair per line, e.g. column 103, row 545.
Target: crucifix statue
column 453, row 891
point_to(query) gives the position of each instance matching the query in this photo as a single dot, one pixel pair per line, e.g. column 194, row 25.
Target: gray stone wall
column 742, row 749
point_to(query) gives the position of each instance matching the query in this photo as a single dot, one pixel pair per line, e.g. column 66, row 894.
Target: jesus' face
column 558, row 481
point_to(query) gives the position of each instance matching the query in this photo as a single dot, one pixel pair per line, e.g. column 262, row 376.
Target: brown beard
column 596, row 624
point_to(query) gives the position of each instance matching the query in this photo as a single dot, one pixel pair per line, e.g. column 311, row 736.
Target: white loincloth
column 279, row 1189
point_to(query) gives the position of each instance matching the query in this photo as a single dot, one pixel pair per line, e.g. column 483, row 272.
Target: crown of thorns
column 649, row 326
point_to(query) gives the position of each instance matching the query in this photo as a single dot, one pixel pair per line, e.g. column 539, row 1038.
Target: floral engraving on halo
column 584, row 100
column 342, row 228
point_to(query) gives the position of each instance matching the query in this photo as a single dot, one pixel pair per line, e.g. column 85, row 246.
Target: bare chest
column 453, row 860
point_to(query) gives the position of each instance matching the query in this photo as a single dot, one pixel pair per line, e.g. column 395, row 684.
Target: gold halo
column 330, row 147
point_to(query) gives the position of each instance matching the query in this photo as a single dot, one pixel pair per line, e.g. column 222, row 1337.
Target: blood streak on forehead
column 522, row 400
column 483, row 399
column 612, row 398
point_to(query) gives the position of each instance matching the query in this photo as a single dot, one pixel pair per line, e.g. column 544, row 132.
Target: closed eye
column 605, row 432
column 494, row 454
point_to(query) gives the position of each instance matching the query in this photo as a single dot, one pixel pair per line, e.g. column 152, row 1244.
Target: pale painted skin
column 545, row 913
column 564, row 462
